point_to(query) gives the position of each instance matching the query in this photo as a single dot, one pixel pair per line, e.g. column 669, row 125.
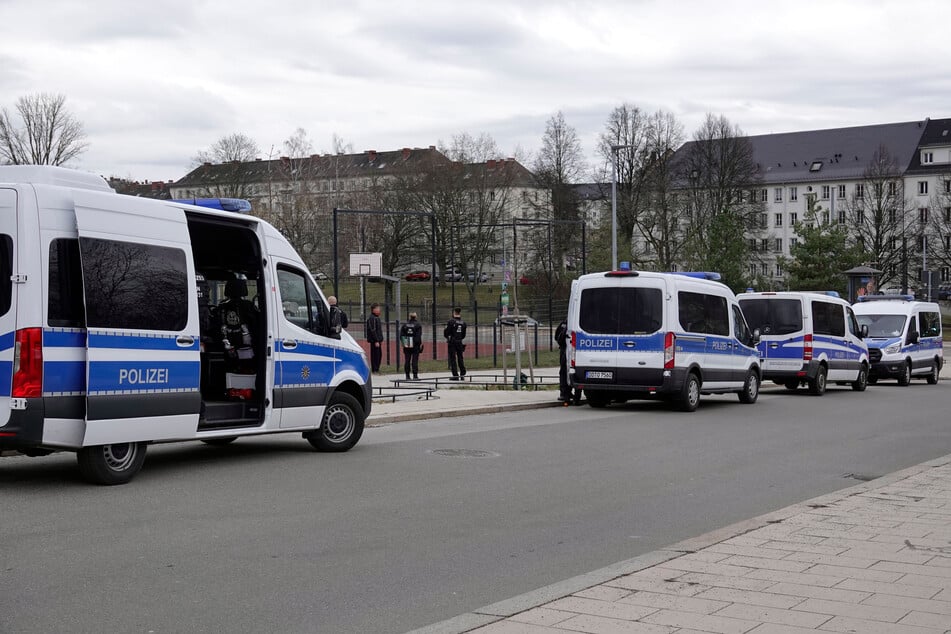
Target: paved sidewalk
column 872, row 558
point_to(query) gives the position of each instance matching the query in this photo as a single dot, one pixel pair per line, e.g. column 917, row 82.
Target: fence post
column 475, row 312
column 398, row 346
column 495, row 344
column 536, row 343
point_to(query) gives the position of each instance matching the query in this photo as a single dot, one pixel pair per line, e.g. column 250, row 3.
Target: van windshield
column 773, row 315
column 883, row 325
column 620, row 311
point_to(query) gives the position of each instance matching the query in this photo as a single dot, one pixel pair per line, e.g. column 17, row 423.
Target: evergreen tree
column 823, row 252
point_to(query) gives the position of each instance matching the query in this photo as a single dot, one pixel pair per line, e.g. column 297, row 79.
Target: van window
column 773, row 316
column 702, row 313
column 129, row 285
column 740, row 329
column 301, row 302
column 621, row 311
column 65, row 302
column 828, row 319
column 883, row 326
column 6, row 271
column 853, row 325
column 930, row 324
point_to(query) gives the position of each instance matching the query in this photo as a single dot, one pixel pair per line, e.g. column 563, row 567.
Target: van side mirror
column 863, row 331
column 756, row 336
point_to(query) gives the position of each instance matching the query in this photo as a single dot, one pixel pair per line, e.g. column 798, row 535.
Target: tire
column 932, row 377
column 792, row 385
column 905, row 377
column 341, row 427
column 597, row 399
column 690, row 393
column 111, row 464
column 817, row 386
column 750, row 391
column 861, row 382
column 219, row 442
column 872, row 380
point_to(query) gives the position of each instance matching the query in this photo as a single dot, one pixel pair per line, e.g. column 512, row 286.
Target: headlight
column 893, row 349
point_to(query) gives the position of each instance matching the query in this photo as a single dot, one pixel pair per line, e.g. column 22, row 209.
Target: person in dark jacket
column 338, row 318
column 455, row 333
column 411, row 338
column 374, row 333
column 564, row 387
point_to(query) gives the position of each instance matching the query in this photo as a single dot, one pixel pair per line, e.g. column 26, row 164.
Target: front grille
column 874, row 355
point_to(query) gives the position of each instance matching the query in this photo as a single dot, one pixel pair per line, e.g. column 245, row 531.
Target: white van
column 807, row 338
column 126, row 321
column 904, row 337
column 636, row 334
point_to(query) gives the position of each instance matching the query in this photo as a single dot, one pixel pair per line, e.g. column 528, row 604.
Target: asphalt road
column 267, row 536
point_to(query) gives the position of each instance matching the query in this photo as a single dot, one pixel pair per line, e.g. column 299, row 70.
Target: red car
column 417, row 276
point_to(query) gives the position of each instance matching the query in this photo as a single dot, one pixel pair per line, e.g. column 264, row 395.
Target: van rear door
column 780, row 323
column 143, row 366
column 8, row 229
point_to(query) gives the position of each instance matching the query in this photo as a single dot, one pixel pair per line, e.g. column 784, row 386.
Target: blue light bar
column 700, row 275
column 237, row 205
column 893, row 297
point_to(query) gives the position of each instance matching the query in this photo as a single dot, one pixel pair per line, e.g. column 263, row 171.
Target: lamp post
column 614, row 159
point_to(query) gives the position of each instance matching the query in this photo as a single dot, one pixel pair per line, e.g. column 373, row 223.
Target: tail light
column 807, row 348
column 669, row 342
column 574, row 346
column 28, row 363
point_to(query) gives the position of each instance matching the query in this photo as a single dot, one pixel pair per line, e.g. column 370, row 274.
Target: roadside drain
column 464, row 453
column 859, row 476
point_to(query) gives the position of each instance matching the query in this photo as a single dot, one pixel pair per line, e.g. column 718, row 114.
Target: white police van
column 807, row 338
column 126, row 321
column 637, row 334
column 904, row 337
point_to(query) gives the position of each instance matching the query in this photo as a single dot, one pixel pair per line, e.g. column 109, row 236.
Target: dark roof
column 839, row 153
column 154, row 189
column 592, row 191
column 937, row 133
column 506, row 172
column 327, row 166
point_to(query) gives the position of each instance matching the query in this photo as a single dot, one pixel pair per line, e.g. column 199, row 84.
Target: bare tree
column 43, row 132
column 237, row 152
column 876, row 212
column 719, row 204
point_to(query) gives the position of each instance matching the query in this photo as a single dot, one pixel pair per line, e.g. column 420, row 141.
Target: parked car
column 944, row 292
column 483, row 277
column 320, row 275
column 452, row 275
column 417, row 276
column 525, row 280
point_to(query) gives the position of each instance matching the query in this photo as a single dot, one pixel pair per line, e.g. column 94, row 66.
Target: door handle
column 289, row 344
column 773, row 346
column 630, row 344
column 185, row 341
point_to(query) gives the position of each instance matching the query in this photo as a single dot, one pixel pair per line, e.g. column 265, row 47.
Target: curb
column 509, row 607
column 376, row 421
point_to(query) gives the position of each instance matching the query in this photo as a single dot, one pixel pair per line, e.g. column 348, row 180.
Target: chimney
column 491, row 163
column 371, row 155
column 406, row 153
column 432, row 148
column 285, row 160
column 206, row 164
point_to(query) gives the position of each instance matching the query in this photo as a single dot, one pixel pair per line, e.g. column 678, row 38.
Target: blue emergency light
column 237, row 205
column 700, row 275
column 893, row 296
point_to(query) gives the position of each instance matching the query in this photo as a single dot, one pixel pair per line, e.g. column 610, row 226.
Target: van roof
column 892, row 307
column 607, row 276
column 52, row 175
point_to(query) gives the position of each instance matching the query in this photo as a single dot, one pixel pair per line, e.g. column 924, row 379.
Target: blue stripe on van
column 138, row 342
column 7, row 340
column 64, row 376
column 300, row 372
column 6, row 378
column 64, row 338
column 129, row 376
column 349, row 360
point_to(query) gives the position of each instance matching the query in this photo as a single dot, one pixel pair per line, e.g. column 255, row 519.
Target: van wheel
column 111, row 464
column 861, row 382
column 791, row 385
column 597, row 399
column 750, row 391
column 932, row 377
column 219, row 442
column 690, row 393
column 817, row 386
column 341, row 426
column 905, row 377
column 872, row 380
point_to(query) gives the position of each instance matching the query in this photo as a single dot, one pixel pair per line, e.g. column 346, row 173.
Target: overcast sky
column 156, row 82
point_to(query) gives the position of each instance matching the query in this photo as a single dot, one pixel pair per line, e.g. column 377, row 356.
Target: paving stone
column 542, row 616
column 749, row 597
column 833, row 560
column 934, row 606
column 681, row 588
column 514, row 627
column 849, row 624
column 819, row 549
column 703, row 622
column 712, row 569
column 622, row 611
column 707, row 555
column 923, row 569
column 938, row 583
column 858, row 610
column 900, row 589
column 855, row 573
column 672, row 602
column 926, row 619
column 773, row 615
column 745, row 540
column 819, row 592
column 750, row 551
column 740, row 583
column 768, row 564
column 780, row 576
column 776, row 628
column 603, row 593
column 602, row 625
column 905, row 555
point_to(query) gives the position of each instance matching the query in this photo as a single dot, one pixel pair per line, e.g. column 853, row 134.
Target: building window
column 752, row 245
column 922, row 215
column 825, row 217
column 893, row 243
column 947, row 214
column 763, row 195
column 793, row 243
column 779, row 270
column 778, row 220
column 764, row 244
column 841, row 192
column 859, row 190
column 763, row 220
column 793, row 218
column 752, row 269
column 945, row 274
column 778, row 245
column 892, row 215
column 778, row 195
column 947, row 243
column 764, row 269
column 816, row 166
column 793, row 194
column 947, row 187
column 860, row 216
column 927, row 157
column 892, row 188
column 922, row 188
column 841, row 215
column 826, row 192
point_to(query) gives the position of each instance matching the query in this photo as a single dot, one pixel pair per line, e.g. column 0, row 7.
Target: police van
column 127, row 321
column 636, row 334
column 904, row 337
column 808, row 338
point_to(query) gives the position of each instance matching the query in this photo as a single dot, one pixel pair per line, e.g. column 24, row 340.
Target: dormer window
column 816, row 166
column 927, row 157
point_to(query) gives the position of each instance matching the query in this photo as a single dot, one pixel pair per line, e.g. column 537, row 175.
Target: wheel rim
column 339, row 423
column 693, row 392
column 907, row 377
column 863, row 377
column 752, row 388
column 119, row 457
column 934, row 372
column 821, row 381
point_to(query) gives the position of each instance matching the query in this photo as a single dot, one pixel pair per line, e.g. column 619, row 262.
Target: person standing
column 564, row 387
column 374, row 334
column 455, row 333
column 411, row 338
column 338, row 318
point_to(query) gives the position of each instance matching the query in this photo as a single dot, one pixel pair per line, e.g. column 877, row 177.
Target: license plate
column 599, row 375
